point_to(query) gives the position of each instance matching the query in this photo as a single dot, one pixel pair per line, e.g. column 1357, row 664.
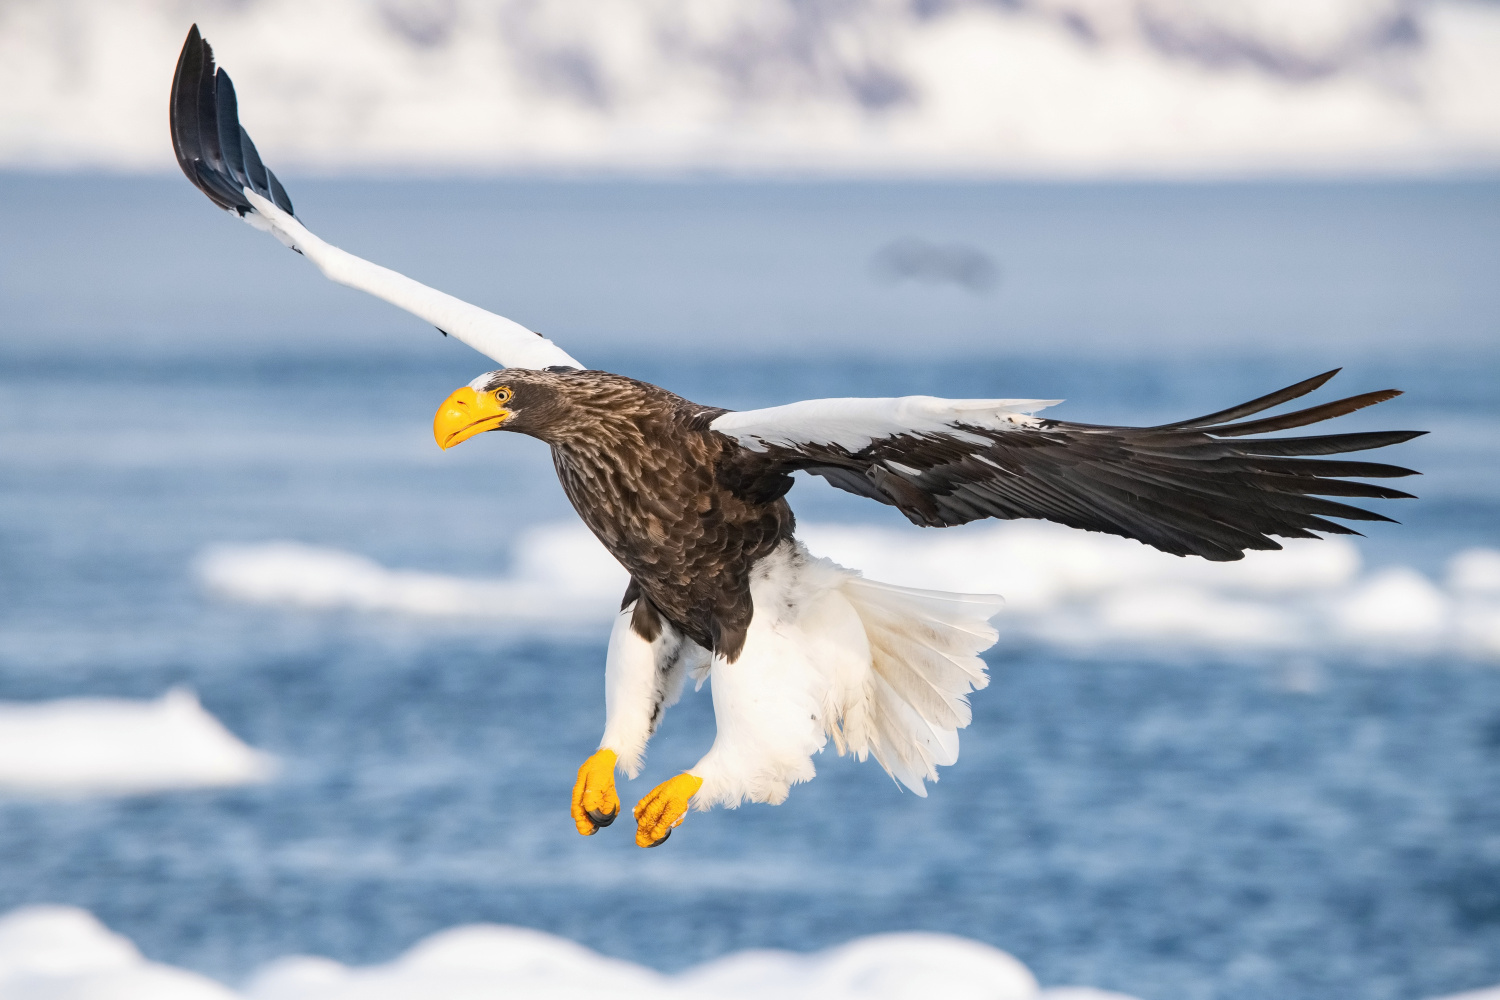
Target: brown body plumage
column 661, row 491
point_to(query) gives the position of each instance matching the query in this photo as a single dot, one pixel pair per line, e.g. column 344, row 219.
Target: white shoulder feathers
column 855, row 423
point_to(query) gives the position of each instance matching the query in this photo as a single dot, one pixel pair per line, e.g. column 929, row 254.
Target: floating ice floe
column 1085, row 590
column 63, row 953
column 1067, row 588
column 79, row 746
column 560, row 574
column 58, row 951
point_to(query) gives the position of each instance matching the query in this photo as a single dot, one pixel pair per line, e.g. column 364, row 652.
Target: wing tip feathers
column 212, row 147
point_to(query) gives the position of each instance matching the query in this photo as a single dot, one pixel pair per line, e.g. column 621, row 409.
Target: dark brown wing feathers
column 1301, row 418
column 1203, row 487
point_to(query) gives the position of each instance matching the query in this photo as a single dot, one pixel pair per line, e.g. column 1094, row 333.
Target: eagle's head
column 555, row 404
column 513, row 399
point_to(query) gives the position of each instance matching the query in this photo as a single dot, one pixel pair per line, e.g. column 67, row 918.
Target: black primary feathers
column 1195, row 487
column 212, row 148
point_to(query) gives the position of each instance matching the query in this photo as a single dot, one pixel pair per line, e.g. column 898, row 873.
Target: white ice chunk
column 1062, row 586
column 562, row 576
column 1166, row 612
column 1397, row 603
column 879, row 967
column 116, row 746
column 1492, row 993
column 64, row 953
column 1475, row 571
column 1036, row 565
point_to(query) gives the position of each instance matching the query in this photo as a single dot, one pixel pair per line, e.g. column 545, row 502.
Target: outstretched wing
column 1197, row 487
column 218, row 157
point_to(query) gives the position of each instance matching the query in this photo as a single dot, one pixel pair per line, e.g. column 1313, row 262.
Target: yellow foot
column 595, row 803
column 663, row 808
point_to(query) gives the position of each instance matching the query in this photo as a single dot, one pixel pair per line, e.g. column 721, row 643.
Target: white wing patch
column 854, row 423
column 504, row 340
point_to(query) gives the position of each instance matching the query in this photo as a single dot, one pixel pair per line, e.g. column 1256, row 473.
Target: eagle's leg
column 643, row 675
column 663, row 808
column 595, row 803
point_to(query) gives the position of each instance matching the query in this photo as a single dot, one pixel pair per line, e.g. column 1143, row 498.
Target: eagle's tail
column 883, row 671
column 924, row 658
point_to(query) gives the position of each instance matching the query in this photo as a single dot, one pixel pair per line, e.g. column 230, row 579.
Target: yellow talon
column 595, row 803
column 664, row 808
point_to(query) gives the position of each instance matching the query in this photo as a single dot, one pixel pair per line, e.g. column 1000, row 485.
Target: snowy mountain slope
column 887, row 86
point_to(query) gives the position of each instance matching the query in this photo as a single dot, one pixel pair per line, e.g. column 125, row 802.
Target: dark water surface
column 1172, row 827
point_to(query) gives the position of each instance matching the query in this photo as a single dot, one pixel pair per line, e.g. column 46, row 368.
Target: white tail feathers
column 883, row 671
column 924, row 653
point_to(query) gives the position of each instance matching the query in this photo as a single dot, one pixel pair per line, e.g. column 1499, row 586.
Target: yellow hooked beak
column 466, row 413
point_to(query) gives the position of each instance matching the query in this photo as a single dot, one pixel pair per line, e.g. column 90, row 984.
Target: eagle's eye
column 503, row 395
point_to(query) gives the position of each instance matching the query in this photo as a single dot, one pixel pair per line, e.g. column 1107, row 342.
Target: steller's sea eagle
column 691, row 499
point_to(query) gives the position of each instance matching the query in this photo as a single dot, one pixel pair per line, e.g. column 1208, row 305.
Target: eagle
column 691, row 499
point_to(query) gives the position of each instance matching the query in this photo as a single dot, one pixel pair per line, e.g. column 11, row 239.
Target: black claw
column 601, row 819
column 663, row 840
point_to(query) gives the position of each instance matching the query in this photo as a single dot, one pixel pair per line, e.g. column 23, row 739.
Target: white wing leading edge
column 217, row 155
column 853, row 424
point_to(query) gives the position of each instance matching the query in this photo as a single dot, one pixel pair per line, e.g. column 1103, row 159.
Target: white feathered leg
column 641, row 681
column 642, row 678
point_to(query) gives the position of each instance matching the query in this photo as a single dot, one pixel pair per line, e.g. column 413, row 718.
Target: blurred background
column 279, row 678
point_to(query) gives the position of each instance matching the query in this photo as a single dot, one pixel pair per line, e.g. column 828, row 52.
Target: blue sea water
column 1171, row 826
